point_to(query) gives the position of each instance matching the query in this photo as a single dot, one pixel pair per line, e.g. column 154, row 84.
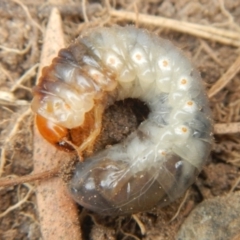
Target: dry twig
column 210, row 52
column 28, row 74
column 10, row 136
column 235, row 185
column 32, row 21
column 84, row 11
column 16, row 51
column 180, row 206
column 227, row 128
column 58, row 213
column 140, row 224
column 225, row 78
column 19, row 203
column 210, row 33
column 9, row 182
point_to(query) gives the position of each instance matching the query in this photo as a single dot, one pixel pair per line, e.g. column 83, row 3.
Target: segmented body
column 155, row 164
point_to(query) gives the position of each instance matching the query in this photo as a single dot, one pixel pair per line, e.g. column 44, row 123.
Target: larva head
column 60, row 107
column 53, row 133
column 60, row 136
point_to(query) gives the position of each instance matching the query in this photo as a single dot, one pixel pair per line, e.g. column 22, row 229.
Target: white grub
column 158, row 162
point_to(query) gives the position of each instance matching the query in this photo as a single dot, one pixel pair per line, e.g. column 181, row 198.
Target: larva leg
column 88, row 144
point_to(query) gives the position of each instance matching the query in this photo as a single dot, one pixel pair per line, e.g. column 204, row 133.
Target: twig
column 8, row 98
column 225, row 79
column 137, row 14
column 9, row 182
column 228, row 15
column 227, row 128
column 68, row 9
column 58, row 213
column 28, row 74
column 139, row 223
column 235, row 185
column 211, row 33
column 33, row 22
column 108, row 5
column 180, row 206
column 6, row 72
column 210, row 52
column 10, row 136
column 19, row 203
column 84, row 11
column 17, row 51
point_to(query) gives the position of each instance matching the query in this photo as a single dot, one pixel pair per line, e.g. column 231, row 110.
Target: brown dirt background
column 20, row 48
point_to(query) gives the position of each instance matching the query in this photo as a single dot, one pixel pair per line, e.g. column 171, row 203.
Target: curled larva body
column 157, row 162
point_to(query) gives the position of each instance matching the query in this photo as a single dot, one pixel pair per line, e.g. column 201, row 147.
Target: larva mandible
column 157, row 162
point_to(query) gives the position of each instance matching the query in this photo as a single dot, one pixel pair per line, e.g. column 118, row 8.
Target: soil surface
column 22, row 24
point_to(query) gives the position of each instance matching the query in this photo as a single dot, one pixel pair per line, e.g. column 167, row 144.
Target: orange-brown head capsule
column 64, row 138
column 53, row 133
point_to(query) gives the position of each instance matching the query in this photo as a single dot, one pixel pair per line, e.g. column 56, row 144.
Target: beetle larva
column 157, row 162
